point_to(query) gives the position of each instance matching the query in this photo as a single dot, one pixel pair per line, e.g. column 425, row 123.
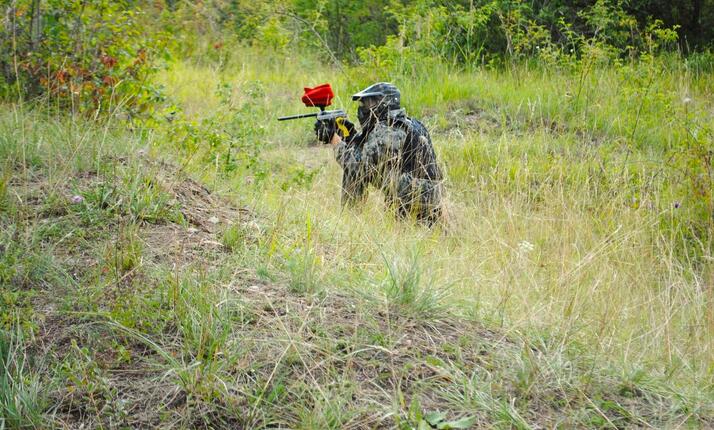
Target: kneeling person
column 392, row 152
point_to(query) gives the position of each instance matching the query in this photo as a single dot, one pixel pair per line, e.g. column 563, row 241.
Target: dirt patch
column 201, row 208
column 312, row 340
column 58, row 205
column 470, row 117
column 466, row 117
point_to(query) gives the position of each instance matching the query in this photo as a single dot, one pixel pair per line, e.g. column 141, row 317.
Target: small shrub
column 302, row 267
column 299, row 178
column 21, row 400
column 233, row 237
column 230, row 139
column 87, row 383
column 406, row 292
column 125, row 253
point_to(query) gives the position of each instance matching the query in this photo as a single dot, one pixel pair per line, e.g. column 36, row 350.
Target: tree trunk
column 694, row 21
column 35, row 25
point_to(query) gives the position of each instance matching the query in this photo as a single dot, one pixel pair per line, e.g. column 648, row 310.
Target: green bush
column 84, row 55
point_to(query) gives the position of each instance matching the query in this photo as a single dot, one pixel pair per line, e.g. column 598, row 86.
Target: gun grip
column 341, row 126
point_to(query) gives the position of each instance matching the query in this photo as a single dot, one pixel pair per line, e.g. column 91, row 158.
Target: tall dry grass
column 555, row 207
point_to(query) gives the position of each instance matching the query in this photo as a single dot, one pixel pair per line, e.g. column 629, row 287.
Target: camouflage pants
column 419, row 198
column 407, row 195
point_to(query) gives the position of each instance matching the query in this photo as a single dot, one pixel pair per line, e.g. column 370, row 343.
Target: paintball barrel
column 324, row 115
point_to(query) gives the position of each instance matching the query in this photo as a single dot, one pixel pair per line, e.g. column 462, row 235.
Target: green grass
column 565, row 288
column 22, row 400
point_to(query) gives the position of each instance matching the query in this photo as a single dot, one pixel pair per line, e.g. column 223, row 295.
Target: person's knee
column 420, row 198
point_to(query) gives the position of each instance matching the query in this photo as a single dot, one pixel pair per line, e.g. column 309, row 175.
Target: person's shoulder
column 417, row 125
column 415, row 130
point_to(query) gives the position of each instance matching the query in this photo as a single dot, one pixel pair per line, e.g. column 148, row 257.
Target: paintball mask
column 375, row 102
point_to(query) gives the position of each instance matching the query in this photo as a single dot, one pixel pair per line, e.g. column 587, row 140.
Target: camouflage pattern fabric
column 397, row 158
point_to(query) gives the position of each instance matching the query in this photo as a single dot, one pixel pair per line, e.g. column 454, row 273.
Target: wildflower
column 77, row 199
column 524, row 247
column 686, row 100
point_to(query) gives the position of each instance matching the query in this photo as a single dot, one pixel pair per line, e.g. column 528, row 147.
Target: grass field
column 200, row 272
column 554, row 221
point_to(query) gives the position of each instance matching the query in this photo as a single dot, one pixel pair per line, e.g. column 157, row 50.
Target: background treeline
column 67, row 47
column 481, row 29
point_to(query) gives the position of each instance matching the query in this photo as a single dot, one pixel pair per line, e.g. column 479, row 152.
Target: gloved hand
column 324, row 130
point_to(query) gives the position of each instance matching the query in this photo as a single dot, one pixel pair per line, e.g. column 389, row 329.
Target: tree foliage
column 461, row 31
column 83, row 54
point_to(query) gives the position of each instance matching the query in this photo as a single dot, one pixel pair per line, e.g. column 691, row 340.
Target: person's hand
column 324, row 131
column 335, row 139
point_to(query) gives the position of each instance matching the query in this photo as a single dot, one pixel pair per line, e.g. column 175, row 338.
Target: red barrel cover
column 319, row 96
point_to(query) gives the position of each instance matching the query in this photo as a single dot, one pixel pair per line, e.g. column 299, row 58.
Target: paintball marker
column 328, row 121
